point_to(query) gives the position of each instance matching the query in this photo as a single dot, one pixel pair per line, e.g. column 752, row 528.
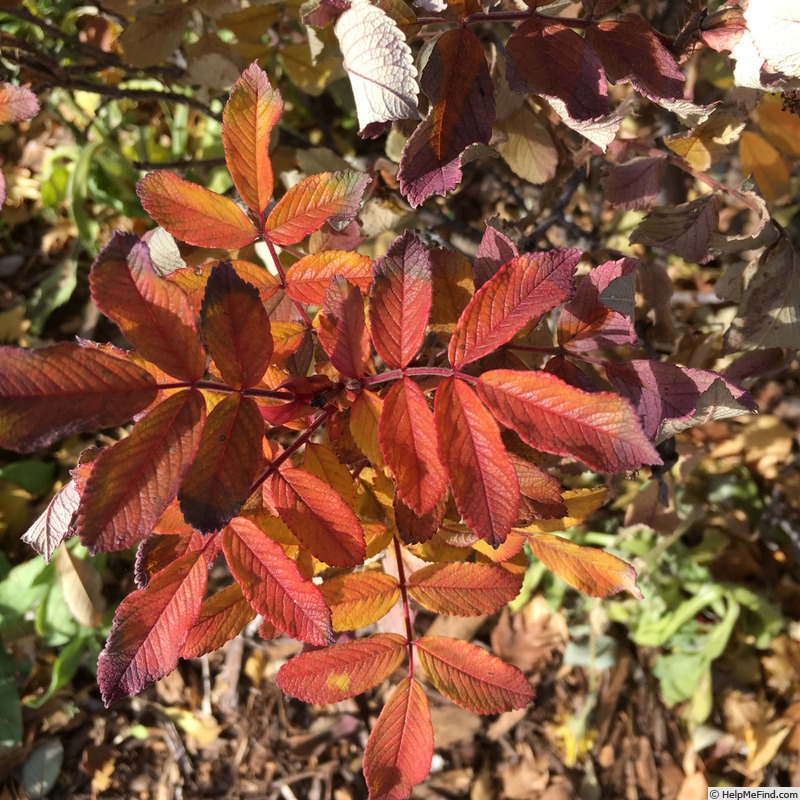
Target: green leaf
column 10, row 711
column 64, row 667
column 32, row 475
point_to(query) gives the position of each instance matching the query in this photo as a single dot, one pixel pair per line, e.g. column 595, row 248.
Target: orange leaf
column 516, row 296
column 463, row 589
column 226, row 465
column 413, row 528
column 342, row 671
column 484, row 483
column 766, row 165
column 326, row 197
column 587, row 569
column 364, row 416
column 222, row 616
column 400, row 300
column 782, row 128
column 252, row 111
column 471, row 677
column 272, row 584
column 53, row 392
column 316, row 514
column 343, row 328
column 150, row 627
column 408, row 442
column 400, row 748
column 236, row 327
column 308, row 279
column 194, row 214
column 358, row 599
column 600, row 429
column 134, row 480
column 154, row 314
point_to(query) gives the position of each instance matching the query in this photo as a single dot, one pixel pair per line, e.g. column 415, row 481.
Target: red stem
column 445, row 372
column 282, row 276
column 401, row 578
column 222, row 388
column 318, row 421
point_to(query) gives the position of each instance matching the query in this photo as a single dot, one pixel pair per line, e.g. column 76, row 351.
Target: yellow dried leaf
column 767, row 166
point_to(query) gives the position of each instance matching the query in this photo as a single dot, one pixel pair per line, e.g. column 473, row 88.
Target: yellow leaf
column 781, row 128
column 767, row 166
column 709, row 142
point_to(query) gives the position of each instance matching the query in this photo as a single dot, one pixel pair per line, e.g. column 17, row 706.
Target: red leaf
column 631, row 52
column 471, row 677
column 456, row 80
column 413, row 528
column 194, row 214
column 409, row 445
column 634, row 184
column 400, row 300
column 358, row 599
column 252, row 111
column 493, row 252
column 150, row 627
column 134, row 480
column 342, row 671
column 550, row 59
column 524, row 289
column 570, row 373
column 600, row 429
column 662, row 391
column 321, row 461
column 587, row 569
column 343, row 328
column 464, row 589
column 484, row 483
column 400, row 748
column 308, row 279
column 154, row 314
column 326, row 197
column 541, row 492
column 222, row 616
column 273, row 585
column 236, row 328
column 316, row 514
column 17, row 103
column 53, row 392
column 226, row 465
column 157, row 552
column 586, row 322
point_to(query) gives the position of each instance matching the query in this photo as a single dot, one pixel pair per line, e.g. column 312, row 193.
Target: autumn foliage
column 351, row 434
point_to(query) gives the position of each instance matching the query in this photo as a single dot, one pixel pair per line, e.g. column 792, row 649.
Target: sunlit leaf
column 481, row 475
column 343, row 328
column 342, row 671
column 308, row 279
column 400, row 748
column 56, row 391
column 273, row 585
column 585, row 568
column 222, row 616
column 359, row 599
column 150, row 627
column 471, row 677
column 194, row 214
